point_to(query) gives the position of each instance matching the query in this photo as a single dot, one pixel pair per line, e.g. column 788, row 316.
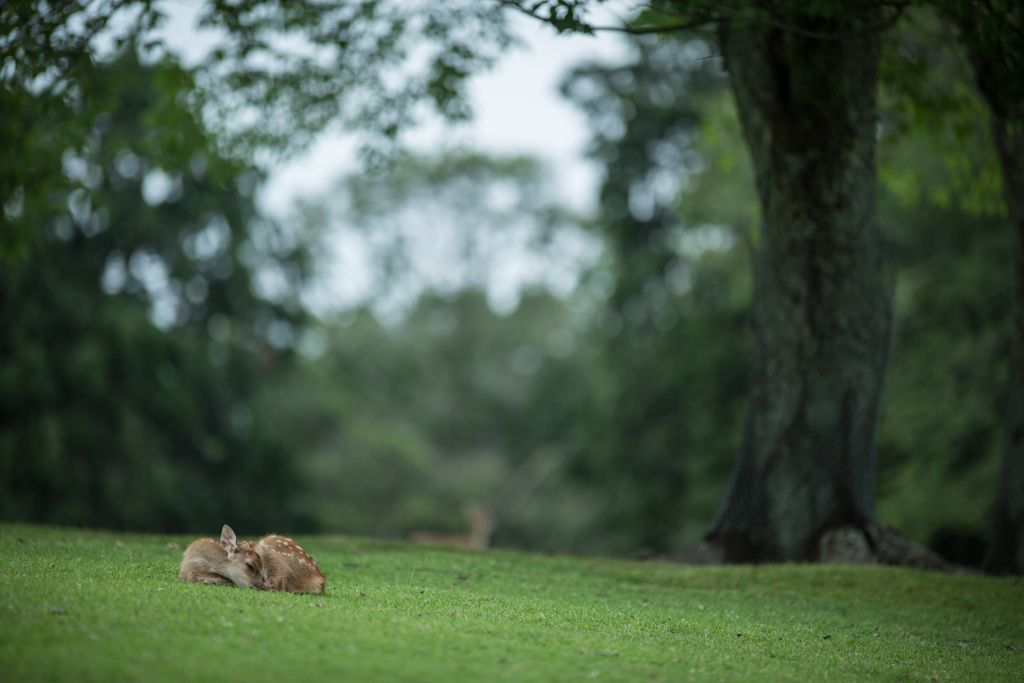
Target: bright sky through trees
column 517, row 111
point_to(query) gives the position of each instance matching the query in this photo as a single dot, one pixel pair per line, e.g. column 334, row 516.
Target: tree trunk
column 1001, row 81
column 823, row 282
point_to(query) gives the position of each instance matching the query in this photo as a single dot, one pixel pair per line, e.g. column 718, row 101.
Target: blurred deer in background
column 226, row 563
column 481, row 524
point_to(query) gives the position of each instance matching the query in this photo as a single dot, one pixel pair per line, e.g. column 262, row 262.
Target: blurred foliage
column 676, row 341
column 606, row 422
column 374, row 65
column 451, row 384
column 133, row 345
column 941, row 428
column 942, row 421
column 149, row 375
column 47, row 75
column 281, row 71
column 930, row 108
column 407, row 424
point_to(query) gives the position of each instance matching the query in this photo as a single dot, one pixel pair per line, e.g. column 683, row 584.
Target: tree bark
column 999, row 71
column 823, row 283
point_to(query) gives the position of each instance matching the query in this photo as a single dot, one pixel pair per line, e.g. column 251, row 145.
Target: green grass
column 95, row 606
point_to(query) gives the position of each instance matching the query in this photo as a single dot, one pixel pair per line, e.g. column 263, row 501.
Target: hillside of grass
column 95, row 606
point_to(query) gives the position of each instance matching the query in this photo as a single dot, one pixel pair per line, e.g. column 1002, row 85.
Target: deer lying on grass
column 226, row 563
column 481, row 524
column 272, row 563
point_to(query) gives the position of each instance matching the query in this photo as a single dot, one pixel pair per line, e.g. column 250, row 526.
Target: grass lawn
column 96, row 606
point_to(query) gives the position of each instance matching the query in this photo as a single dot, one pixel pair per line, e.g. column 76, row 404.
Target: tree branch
column 724, row 10
column 626, row 28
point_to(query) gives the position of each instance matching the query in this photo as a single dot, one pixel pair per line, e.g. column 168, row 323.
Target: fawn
column 228, row 562
column 287, row 567
column 481, row 524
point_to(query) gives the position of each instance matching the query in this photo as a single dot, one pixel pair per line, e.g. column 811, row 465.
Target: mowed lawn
column 95, row 606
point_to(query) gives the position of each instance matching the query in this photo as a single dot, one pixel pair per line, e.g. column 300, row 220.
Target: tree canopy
column 134, row 341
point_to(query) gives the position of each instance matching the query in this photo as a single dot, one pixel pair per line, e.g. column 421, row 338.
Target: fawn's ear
column 228, row 540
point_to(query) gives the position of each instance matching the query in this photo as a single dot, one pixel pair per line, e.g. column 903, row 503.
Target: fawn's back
column 287, row 567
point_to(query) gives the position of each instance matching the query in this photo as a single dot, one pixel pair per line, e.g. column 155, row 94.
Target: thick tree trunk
column 824, row 275
column 1002, row 84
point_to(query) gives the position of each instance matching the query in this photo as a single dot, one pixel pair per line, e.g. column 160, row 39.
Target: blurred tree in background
column 449, row 384
column 406, row 424
column 677, row 210
column 48, row 73
column 941, row 424
column 946, row 73
column 993, row 37
column 133, row 345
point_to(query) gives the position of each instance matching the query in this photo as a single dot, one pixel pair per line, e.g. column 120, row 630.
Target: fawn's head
column 244, row 567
